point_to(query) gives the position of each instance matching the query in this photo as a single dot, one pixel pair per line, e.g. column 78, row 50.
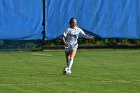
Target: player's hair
column 72, row 20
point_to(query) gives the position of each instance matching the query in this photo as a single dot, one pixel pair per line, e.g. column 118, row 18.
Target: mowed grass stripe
column 94, row 71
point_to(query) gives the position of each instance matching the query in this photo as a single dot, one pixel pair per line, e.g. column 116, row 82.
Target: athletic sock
column 70, row 63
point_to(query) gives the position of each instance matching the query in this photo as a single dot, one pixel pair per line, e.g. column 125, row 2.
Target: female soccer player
column 70, row 37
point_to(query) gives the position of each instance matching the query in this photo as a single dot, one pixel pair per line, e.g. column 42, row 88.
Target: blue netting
column 22, row 19
column 105, row 18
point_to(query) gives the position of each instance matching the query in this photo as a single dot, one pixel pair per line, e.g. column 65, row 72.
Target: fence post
column 44, row 24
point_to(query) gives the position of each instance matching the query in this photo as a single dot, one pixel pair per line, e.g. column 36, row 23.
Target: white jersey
column 71, row 35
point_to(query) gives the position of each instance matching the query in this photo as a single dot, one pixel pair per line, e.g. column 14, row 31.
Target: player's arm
column 64, row 41
column 64, row 36
column 88, row 37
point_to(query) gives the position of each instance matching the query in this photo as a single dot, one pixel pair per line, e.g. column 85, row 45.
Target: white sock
column 70, row 63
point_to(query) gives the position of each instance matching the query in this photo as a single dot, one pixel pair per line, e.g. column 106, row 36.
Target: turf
column 94, row 71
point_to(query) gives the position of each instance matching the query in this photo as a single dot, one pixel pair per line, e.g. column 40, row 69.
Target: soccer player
column 70, row 37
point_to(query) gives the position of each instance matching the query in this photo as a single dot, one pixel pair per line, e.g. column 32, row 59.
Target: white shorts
column 69, row 49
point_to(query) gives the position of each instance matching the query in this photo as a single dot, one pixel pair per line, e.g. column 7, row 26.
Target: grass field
column 94, row 71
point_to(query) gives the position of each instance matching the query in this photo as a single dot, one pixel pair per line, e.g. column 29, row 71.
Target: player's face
column 73, row 24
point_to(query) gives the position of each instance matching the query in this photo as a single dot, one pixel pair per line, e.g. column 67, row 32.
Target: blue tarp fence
column 22, row 19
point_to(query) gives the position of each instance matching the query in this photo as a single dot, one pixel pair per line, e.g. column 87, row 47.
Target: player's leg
column 72, row 55
column 67, row 54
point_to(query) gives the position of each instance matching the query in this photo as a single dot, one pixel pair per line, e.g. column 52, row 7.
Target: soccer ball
column 66, row 71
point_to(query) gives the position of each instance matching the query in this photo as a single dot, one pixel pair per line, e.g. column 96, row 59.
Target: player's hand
column 67, row 44
column 91, row 37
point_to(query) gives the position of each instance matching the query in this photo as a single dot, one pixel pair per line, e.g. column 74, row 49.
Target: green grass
column 94, row 71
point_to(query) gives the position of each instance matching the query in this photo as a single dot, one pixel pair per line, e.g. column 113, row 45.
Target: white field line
column 39, row 54
column 31, row 84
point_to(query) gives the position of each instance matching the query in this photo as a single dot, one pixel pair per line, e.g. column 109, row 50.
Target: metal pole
column 44, row 24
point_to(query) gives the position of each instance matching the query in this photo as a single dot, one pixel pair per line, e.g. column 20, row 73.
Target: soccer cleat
column 66, row 71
